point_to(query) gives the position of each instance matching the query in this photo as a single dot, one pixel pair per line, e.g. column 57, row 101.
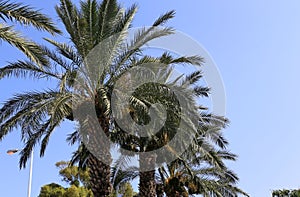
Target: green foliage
column 74, row 191
column 24, row 15
column 52, row 190
column 295, row 193
column 71, row 175
column 55, row 190
column 126, row 190
column 286, row 193
column 75, row 176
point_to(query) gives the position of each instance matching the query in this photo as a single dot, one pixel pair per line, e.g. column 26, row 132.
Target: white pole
column 30, row 174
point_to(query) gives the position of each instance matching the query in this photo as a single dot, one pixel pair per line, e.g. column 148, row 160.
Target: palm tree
column 39, row 113
column 144, row 97
column 24, row 15
column 200, row 149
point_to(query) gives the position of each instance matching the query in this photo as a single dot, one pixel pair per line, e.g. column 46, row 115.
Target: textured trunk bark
column 160, row 190
column 97, row 142
column 99, row 177
column 173, row 194
column 99, row 162
column 147, row 185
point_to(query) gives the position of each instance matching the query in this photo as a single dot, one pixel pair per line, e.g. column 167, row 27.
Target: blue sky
column 256, row 47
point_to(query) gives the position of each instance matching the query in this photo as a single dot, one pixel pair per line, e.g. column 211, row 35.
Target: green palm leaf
column 26, row 15
column 29, row 48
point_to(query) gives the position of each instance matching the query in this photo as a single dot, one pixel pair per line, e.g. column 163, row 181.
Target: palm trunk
column 160, row 190
column 100, row 168
column 99, row 159
column 99, row 177
column 173, row 194
column 147, row 185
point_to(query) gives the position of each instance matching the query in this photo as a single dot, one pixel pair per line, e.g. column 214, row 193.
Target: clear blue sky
column 256, row 45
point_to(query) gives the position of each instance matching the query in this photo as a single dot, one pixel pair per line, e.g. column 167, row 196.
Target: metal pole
column 30, row 174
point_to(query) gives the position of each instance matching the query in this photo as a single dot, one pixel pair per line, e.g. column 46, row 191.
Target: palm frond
column 66, row 51
column 22, row 69
column 141, row 37
column 164, row 18
column 214, row 120
column 28, row 110
column 202, row 91
column 73, row 138
column 108, row 9
column 122, row 172
column 29, row 48
column 167, row 58
column 26, row 15
column 89, row 13
column 193, row 77
column 125, row 19
column 69, row 15
column 80, row 156
column 57, row 59
column 53, row 124
column 31, row 142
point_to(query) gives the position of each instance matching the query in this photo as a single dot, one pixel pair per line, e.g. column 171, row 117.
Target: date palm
column 200, row 170
column 38, row 113
column 145, row 97
column 24, row 15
